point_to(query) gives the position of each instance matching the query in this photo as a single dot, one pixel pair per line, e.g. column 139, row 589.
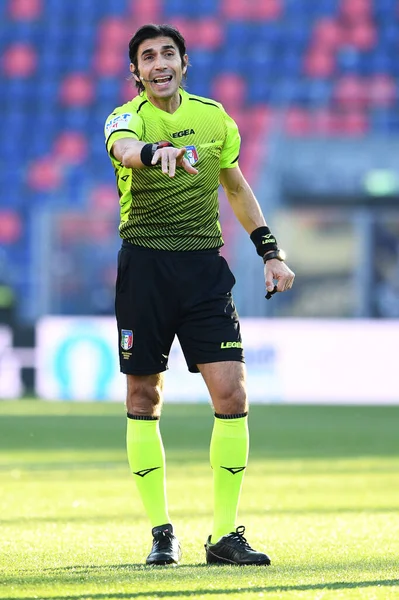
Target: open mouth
column 162, row 80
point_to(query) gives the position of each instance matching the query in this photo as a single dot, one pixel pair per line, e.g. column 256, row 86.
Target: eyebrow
column 166, row 47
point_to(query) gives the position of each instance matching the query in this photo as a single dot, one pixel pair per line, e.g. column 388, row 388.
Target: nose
column 159, row 63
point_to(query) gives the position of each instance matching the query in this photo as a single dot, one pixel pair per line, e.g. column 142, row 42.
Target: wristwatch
column 279, row 254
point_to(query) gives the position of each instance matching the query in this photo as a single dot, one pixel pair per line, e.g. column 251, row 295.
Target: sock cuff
column 142, row 417
column 238, row 416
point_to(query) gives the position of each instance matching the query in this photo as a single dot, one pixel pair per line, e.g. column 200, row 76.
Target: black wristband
column 148, row 151
column 279, row 254
column 264, row 240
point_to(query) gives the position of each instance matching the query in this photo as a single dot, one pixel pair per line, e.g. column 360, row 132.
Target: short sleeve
column 122, row 124
column 231, row 147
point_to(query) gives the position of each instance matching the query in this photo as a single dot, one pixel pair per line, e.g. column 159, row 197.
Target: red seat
column 297, row 121
column 381, row 90
column 351, row 92
column 10, row 226
column 354, row 123
column 77, row 90
column 19, row 60
column 327, row 34
column 108, row 62
column 24, row 10
column 324, row 121
column 44, row 174
column 230, row 89
column 362, row 35
column 186, row 28
column 104, row 198
column 114, row 33
column 251, row 10
column 266, row 11
column 319, row 62
column 71, row 147
column 356, row 10
column 145, row 11
column 208, row 33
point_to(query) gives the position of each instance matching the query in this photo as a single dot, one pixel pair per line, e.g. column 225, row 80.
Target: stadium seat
column 70, row 147
column 351, row 92
column 104, row 198
column 297, row 121
column 10, row 226
column 44, row 174
column 353, row 11
column 19, row 60
column 319, row 62
column 77, row 90
column 381, row 90
column 108, row 62
column 327, row 34
column 362, row 35
column 230, row 90
column 25, row 10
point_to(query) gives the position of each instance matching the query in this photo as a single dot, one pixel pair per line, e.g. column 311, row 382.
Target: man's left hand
column 278, row 271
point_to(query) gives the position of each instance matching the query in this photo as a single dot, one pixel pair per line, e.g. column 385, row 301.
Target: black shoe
column 165, row 547
column 233, row 549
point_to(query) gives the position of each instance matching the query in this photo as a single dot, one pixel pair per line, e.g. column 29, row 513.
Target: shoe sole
column 219, row 560
column 162, row 563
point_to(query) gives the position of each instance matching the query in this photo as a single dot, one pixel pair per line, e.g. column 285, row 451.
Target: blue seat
column 350, row 60
column 260, row 90
column 316, row 92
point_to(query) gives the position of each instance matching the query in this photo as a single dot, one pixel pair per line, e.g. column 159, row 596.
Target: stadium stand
column 328, row 67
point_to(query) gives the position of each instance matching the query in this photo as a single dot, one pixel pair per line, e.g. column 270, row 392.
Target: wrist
column 278, row 254
column 148, row 151
column 263, row 240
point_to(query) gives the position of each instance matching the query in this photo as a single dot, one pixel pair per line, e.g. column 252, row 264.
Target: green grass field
column 321, row 496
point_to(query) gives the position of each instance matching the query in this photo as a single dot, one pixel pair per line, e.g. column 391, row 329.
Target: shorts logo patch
column 118, row 122
column 126, row 339
column 225, row 345
column 191, row 154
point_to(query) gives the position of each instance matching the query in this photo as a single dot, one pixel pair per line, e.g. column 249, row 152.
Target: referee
column 170, row 151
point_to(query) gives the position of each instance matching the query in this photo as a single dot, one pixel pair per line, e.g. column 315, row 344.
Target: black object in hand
column 270, row 294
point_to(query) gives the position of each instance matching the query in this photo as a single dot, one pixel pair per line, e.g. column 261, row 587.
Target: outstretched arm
column 248, row 212
column 131, row 154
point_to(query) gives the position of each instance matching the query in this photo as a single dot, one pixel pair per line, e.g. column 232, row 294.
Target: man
column 170, row 150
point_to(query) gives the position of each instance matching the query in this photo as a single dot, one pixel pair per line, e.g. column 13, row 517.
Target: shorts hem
column 194, row 369
column 143, row 371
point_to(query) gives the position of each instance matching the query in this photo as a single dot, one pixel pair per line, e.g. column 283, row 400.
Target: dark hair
column 148, row 32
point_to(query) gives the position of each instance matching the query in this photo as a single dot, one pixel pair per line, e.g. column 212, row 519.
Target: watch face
column 282, row 254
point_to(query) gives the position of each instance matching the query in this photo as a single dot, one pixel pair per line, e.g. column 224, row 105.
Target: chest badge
column 191, row 154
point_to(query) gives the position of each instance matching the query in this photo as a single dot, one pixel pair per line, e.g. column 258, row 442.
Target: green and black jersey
column 181, row 212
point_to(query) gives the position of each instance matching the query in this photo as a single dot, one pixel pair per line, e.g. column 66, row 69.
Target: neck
column 169, row 105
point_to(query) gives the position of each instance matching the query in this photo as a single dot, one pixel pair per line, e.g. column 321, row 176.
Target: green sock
column 146, row 457
column 229, row 455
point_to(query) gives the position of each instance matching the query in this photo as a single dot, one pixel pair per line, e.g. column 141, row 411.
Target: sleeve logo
column 118, row 122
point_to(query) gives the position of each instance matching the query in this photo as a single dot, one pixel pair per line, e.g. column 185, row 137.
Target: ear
column 133, row 72
column 185, row 61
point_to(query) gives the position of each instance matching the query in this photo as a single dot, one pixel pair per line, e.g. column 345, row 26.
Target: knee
column 232, row 400
column 143, row 399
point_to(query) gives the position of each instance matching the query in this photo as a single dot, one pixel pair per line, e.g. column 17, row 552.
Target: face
column 160, row 64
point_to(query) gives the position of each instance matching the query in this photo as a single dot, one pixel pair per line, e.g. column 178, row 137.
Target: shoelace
column 239, row 536
column 162, row 540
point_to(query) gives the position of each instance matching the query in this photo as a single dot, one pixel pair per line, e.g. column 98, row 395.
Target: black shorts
column 160, row 294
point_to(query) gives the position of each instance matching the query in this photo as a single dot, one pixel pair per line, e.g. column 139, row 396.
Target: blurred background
column 313, row 86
